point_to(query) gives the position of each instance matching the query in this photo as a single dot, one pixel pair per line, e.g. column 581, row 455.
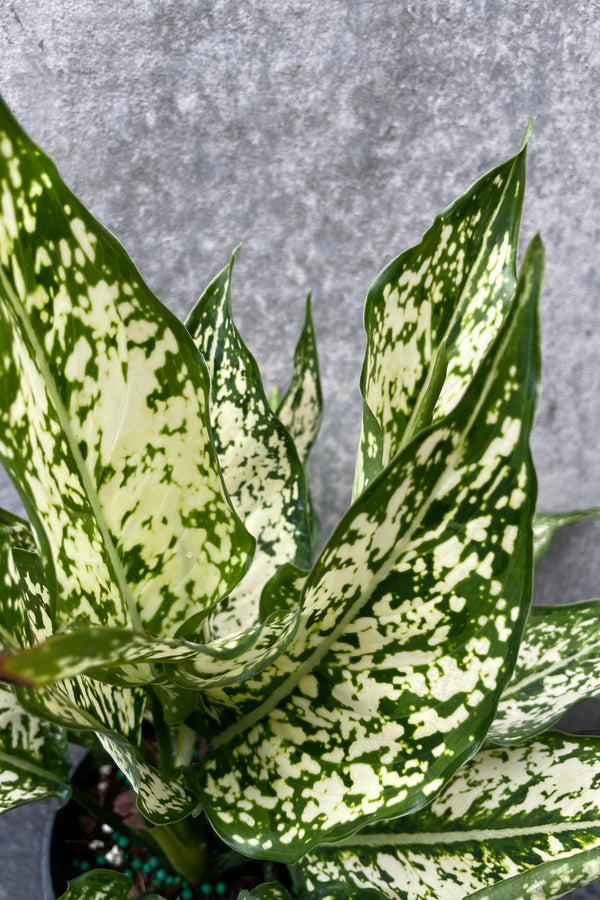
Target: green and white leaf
column 411, row 620
column 558, row 666
column 83, row 704
column 114, row 714
column 34, row 758
column 77, row 703
column 25, row 611
column 103, row 884
column 163, row 797
column 515, row 823
column 270, row 890
column 19, row 529
column 301, row 408
column 104, row 428
column 433, row 312
column 99, row 651
column 545, row 526
column 260, row 466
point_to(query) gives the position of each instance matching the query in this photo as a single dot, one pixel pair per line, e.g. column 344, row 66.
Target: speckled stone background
column 326, row 136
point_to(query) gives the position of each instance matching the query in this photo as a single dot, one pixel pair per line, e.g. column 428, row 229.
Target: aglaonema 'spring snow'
column 374, row 719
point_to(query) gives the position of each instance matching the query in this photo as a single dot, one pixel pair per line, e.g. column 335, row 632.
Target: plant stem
column 186, row 739
column 162, row 733
column 184, row 845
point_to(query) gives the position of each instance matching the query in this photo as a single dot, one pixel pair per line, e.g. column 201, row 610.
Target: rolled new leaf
column 411, row 621
column 449, row 294
column 514, row 824
column 301, row 408
column 103, row 425
column 260, row 465
column 558, row 666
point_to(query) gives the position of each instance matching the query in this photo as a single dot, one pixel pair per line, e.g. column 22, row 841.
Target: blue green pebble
column 221, row 887
column 187, row 894
column 136, row 863
column 206, row 888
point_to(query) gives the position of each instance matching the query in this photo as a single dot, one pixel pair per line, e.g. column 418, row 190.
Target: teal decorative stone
column 221, row 887
column 84, row 866
column 187, row 894
column 206, row 888
column 123, row 841
column 136, row 863
column 101, row 859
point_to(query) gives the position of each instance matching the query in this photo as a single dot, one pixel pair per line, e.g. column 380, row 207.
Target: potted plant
column 373, row 722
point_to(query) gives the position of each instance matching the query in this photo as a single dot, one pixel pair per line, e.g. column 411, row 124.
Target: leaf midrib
column 65, row 423
column 438, row 838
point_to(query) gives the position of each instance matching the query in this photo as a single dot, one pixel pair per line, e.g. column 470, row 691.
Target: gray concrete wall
column 326, row 136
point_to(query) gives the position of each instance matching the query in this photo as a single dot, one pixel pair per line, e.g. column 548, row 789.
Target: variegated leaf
column 104, row 423
column 21, row 536
column 410, row 627
column 26, row 608
column 98, row 651
column 102, row 884
column 545, row 526
column 433, row 312
column 163, row 797
column 14, row 630
column 301, row 408
column 34, row 758
column 515, row 823
column 260, row 466
column 271, row 890
column 82, row 704
column 115, row 714
column 77, row 703
column 558, row 665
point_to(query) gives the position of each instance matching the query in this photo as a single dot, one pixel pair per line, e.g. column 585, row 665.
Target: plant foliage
column 165, row 571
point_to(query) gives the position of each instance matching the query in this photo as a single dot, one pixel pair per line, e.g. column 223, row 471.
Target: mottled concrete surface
column 326, row 136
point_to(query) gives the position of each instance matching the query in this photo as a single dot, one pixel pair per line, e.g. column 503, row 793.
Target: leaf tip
column 527, row 135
